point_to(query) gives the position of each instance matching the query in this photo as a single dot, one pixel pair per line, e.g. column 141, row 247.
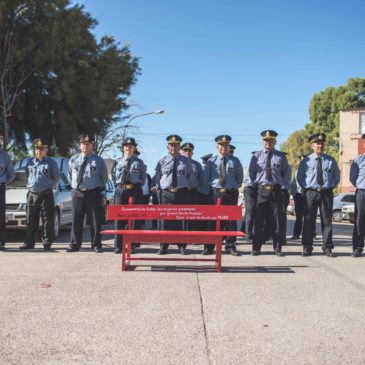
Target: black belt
column 268, row 187
column 85, row 190
column 174, row 190
column 128, row 186
column 319, row 189
column 41, row 192
column 223, row 190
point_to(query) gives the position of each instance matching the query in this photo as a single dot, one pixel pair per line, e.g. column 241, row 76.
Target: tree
column 325, row 117
column 74, row 84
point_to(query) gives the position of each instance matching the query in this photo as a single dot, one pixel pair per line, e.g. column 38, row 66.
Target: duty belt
column 126, row 186
column 40, row 192
column 223, row 190
column 173, row 190
column 268, row 187
column 84, row 190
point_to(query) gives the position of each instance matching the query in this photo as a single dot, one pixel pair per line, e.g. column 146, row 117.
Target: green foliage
column 325, row 117
column 75, row 85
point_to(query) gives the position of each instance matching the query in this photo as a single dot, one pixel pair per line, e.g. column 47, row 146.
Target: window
column 349, row 199
column 362, row 123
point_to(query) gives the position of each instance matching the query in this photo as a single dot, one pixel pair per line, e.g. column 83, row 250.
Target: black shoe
column 207, row 252
column 47, row 247
column 295, row 237
column 279, row 253
column 307, row 251
column 255, row 253
column 72, row 249
column 97, row 249
column 183, row 251
column 117, row 250
column 162, row 251
column 26, row 247
column 328, row 252
column 2, row 247
column 356, row 252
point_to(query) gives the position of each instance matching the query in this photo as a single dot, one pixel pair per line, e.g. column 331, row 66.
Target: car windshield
column 20, row 181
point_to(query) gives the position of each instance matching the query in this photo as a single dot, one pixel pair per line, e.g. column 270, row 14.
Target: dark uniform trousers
column 86, row 202
column 121, row 197
column 286, row 198
column 312, row 200
column 40, row 205
column 2, row 214
column 268, row 202
column 156, row 201
column 229, row 197
column 193, row 200
column 170, row 198
column 250, row 195
column 359, row 226
column 298, row 205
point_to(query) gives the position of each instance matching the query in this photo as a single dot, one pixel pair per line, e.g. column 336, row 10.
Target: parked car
column 348, row 212
column 339, row 201
column 16, row 197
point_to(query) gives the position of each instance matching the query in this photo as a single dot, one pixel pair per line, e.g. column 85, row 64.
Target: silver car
column 339, row 201
column 16, row 198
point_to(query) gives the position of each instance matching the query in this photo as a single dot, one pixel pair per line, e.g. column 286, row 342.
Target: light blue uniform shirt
column 137, row 171
column 280, row 170
column 95, row 175
column 42, row 174
column 234, row 172
column 7, row 173
column 164, row 170
column 357, row 172
column 197, row 179
column 246, row 178
column 307, row 172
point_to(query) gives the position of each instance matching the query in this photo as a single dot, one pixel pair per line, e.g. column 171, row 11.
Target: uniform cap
column 268, row 135
column 129, row 141
column 318, row 137
column 86, row 138
column 232, row 148
column 223, row 139
column 187, row 146
column 41, row 143
column 205, row 158
column 173, row 139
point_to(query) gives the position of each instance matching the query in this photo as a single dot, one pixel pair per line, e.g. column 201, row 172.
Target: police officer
column 7, row 175
column 318, row 174
column 269, row 170
column 174, row 177
column 232, row 149
column 250, row 197
column 88, row 175
column 225, row 175
column 128, row 175
column 42, row 172
column 357, row 178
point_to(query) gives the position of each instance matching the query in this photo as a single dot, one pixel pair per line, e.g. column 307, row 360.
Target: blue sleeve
column 158, row 174
column 354, row 172
column 69, row 171
column 104, row 172
column 143, row 172
column 252, row 170
column 190, row 172
column 301, row 174
column 336, row 174
column 286, row 173
column 239, row 175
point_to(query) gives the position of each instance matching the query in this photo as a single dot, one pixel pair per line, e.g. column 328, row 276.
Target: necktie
column 222, row 172
column 268, row 173
column 174, row 174
column 80, row 176
column 127, row 176
column 319, row 172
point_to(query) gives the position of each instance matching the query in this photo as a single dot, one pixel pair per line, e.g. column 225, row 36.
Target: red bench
column 133, row 212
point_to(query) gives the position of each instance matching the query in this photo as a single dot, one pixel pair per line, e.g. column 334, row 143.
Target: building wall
column 351, row 145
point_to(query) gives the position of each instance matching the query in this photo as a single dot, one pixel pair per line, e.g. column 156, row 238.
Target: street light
column 142, row 115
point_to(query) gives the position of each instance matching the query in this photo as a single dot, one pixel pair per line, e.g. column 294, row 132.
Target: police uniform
column 42, row 175
column 318, row 176
column 174, row 177
column 250, row 197
column 225, row 176
column 269, row 170
column 357, row 178
column 7, row 175
column 128, row 175
column 87, row 175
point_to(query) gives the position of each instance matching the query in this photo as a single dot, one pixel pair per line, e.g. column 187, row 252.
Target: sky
column 233, row 67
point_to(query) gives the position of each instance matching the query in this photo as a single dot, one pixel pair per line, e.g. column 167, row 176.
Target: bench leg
column 124, row 243
column 219, row 254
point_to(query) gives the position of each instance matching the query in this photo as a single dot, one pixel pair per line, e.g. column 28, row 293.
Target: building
column 352, row 126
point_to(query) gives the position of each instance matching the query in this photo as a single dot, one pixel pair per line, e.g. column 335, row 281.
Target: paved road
column 59, row 308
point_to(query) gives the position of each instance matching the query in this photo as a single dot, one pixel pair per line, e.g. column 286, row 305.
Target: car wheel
column 56, row 224
column 337, row 216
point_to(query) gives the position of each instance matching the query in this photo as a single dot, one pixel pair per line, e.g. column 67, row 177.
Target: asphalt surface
column 79, row 308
